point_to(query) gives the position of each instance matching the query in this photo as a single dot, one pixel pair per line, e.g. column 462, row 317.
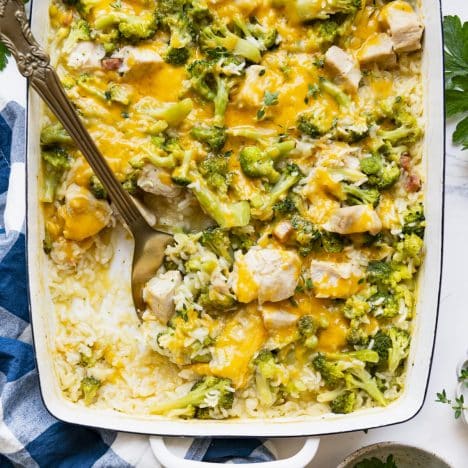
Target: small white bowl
column 404, row 456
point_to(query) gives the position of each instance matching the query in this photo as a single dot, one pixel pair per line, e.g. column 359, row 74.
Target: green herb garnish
column 458, row 406
column 456, row 75
column 376, row 463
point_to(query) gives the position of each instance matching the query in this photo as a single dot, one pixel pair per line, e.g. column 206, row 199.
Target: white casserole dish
column 406, row 407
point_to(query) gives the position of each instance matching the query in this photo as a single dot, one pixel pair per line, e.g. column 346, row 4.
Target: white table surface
column 434, row 428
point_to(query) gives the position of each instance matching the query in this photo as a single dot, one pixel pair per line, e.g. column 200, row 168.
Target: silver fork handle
column 34, row 63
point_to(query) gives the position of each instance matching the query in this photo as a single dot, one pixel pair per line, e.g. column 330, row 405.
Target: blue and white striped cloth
column 29, row 435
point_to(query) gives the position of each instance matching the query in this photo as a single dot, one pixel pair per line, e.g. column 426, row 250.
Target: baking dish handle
column 169, row 460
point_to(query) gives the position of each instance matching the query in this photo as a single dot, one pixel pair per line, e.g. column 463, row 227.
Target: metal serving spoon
column 34, row 63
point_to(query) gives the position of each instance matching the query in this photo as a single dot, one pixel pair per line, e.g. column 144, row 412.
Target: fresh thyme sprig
column 458, row 405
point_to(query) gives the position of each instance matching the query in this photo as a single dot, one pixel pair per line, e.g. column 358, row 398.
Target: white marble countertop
column 435, row 427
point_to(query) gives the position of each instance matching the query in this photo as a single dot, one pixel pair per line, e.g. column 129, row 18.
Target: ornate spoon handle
column 34, row 63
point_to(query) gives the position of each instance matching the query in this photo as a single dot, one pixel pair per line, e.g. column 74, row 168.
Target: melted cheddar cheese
column 290, row 176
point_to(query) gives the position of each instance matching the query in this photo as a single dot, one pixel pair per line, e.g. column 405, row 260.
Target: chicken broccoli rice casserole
column 281, row 142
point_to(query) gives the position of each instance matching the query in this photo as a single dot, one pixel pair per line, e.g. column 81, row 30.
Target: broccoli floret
column 267, row 365
column 263, row 204
column 213, row 136
column 400, row 347
column 356, row 309
column 414, row 221
column 409, row 249
column 79, row 31
column 218, row 241
column 174, row 113
column 180, row 30
column 177, row 56
column 255, row 33
column 242, row 239
column 131, row 27
column 96, row 188
column 361, row 196
column 384, row 305
column 200, row 15
column 305, row 234
column 129, row 183
column 221, row 99
column 159, row 154
column 209, row 392
column 357, row 337
column 344, row 403
column 257, row 163
column 390, row 175
column 225, row 213
column 371, row 165
column 351, row 131
column 55, row 134
column 266, row 370
column 308, row 326
column 407, row 128
column 358, row 377
column 285, row 207
column 332, row 242
column 215, row 170
column 83, row 6
column 382, row 343
column 324, row 33
column 398, row 135
column 348, row 369
column 331, row 371
column 335, row 91
column 180, row 175
column 56, row 162
column 380, row 174
column 219, row 37
column 109, row 39
column 89, row 388
column 183, row 20
column 209, row 82
column 315, row 122
column 317, row 9
column 201, row 73
column 216, row 300
column 379, row 272
column 119, row 93
column 309, row 238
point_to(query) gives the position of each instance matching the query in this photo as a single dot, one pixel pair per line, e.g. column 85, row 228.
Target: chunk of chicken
column 83, row 215
column 378, row 48
column 354, row 219
column 334, row 280
column 159, row 294
column 283, row 230
column 403, row 25
column 266, row 274
column 158, row 182
column 137, row 59
column 344, row 66
column 86, row 55
column 274, row 317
